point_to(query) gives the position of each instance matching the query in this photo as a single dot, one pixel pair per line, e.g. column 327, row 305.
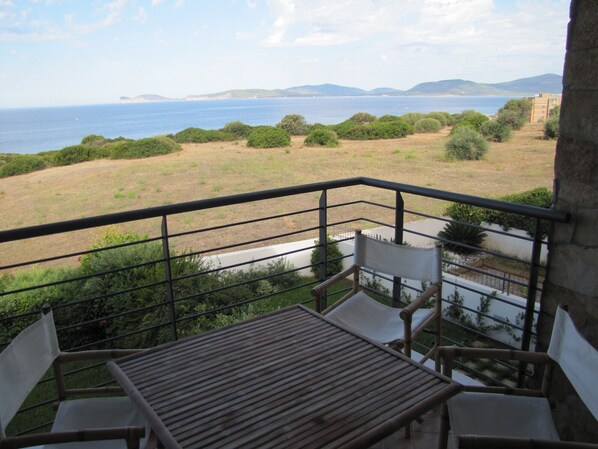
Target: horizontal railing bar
column 81, row 278
column 120, row 336
column 473, row 290
column 240, row 264
column 242, row 223
column 160, row 211
column 485, row 273
column 248, row 301
column 471, row 225
column 111, row 317
column 79, row 253
column 503, row 206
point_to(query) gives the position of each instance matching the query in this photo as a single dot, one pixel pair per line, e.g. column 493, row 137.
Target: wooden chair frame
column 448, row 354
column 131, row 434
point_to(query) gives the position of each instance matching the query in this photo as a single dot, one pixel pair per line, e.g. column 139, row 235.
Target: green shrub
column 94, row 140
column 539, row 197
column 239, row 129
column 467, row 213
column 443, row 117
column 268, row 137
column 334, row 261
column 343, row 128
column 294, row 124
column 466, row 144
column 380, row 130
column 473, row 118
column 412, row 117
column 151, row 146
column 515, row 113
column 22, row 164
column 427, row 125
column 323, row 137
column 73, row 155
column 461, row 125
column 510, row 119
column 198, row 135
column 458, row 234
column 495, row 131
column 363, row 118
column 388, row 118
column 551, row 128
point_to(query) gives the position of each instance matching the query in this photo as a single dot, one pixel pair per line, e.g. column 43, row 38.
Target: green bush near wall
column 539, row 197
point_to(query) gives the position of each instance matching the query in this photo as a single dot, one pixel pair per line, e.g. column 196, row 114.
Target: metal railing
column 99, row 304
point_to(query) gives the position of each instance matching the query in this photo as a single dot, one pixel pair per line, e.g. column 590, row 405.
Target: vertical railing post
column 168, row 278
column 323, row 226
column 399, row 221
column 532, row 289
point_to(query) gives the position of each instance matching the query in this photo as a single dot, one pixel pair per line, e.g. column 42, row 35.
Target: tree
column 294, row 124
column 515, row 113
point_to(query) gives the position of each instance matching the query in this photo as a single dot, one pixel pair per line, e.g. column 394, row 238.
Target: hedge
column 22, row 164
column 539, row 197
column 151, row 146
column 198, row 135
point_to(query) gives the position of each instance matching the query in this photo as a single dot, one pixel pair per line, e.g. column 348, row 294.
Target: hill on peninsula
column 548, row 83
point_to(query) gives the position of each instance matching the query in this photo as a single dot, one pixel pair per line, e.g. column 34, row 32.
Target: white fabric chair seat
column 490, row 414
column 97, row 413
column 377, row 321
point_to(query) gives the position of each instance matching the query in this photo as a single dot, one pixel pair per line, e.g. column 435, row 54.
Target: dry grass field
column 218, row 169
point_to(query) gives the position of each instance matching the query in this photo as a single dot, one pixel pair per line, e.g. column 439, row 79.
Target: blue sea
column 31, row 130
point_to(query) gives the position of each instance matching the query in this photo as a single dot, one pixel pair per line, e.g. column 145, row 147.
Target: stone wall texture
column 573, row 258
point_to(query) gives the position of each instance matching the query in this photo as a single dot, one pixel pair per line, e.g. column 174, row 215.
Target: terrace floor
column 423, row 436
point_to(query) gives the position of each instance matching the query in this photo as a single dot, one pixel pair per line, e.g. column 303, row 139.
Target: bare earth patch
column 218, row 169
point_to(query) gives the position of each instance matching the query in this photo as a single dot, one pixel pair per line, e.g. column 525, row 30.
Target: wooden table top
column 288, row 379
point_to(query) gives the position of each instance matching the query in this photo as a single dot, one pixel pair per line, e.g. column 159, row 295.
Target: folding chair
column 377, row 321
column 89, row 423
column 493, row 417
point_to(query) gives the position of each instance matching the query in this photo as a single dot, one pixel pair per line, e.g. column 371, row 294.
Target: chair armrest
column 131, row 434
column 100, row 354
column 491, row 442
column 319, row 290
column 420, row 301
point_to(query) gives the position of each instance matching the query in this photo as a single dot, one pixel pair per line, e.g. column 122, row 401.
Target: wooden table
column 288, row 379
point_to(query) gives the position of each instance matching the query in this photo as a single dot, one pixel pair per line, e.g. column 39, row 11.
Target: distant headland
column 548, row 83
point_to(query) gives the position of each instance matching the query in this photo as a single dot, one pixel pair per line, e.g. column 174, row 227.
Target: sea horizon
column 46, row 128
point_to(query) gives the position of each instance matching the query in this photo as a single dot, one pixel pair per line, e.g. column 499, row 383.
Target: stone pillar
column 572, row 275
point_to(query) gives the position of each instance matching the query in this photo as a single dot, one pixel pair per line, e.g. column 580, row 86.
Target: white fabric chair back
column 423, row 264
column 577, row 358
column 23, row 363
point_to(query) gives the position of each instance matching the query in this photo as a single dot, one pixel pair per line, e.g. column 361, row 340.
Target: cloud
column 252, row 4
column 141, row 15
column 157, row 2
column 317, row 23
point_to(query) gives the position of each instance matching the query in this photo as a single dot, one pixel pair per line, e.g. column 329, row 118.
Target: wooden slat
column 288, row 379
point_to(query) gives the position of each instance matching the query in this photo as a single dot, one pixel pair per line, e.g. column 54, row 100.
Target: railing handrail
column 190, row 206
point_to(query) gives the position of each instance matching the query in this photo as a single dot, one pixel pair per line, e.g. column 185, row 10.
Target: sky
column 66, row 52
